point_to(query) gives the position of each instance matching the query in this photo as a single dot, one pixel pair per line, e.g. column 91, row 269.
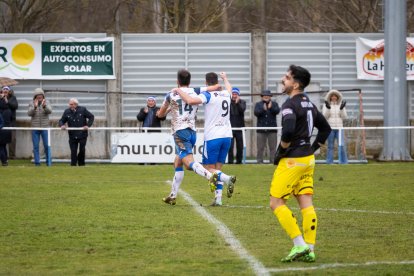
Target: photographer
column 11, row 100
column 266, row 111
column 39, row 111
column 5, row 135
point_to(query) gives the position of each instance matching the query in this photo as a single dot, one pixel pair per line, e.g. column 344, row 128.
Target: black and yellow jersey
column 299, row 117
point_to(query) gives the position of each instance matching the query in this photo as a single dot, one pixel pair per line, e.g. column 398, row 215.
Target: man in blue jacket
column 79, row 117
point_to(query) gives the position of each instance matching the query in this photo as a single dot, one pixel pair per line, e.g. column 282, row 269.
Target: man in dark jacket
column 5, row 135
column 149, row 115
column 12, row 103
column 3, row 149
column 77, row 116
column 237, row 109
column 266, row 111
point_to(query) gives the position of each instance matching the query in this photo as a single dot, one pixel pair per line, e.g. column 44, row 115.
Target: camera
column 39, row 103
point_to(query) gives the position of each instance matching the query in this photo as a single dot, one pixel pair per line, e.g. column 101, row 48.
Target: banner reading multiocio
column 148, row 148
column 70, row 58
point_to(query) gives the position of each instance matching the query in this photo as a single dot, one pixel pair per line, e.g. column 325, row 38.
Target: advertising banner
column 148, row 148
column 69, row 58
column 370, row 59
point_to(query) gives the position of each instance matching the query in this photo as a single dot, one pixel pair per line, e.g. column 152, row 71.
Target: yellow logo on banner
column 23, row 54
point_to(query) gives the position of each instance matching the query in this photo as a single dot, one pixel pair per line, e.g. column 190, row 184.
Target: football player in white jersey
column 217, row 130
column 183, row 128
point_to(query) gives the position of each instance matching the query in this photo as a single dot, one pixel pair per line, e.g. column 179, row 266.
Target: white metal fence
column 362, row 142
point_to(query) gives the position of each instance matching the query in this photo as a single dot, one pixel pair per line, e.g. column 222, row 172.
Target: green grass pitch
column 110, row 220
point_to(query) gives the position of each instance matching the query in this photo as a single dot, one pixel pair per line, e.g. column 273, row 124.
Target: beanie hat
column 151, row 98
column 38, row 91
column 235, row 90
column 6, row 88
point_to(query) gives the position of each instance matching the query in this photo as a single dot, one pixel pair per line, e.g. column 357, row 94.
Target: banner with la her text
column 70, row 58
column 148, row 148
column 370, row 59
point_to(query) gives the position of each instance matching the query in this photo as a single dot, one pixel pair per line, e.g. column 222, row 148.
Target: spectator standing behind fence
column 266, row 111
column 13, row 105
column 79, row 117
column 237, row 109
column 1, row 145
column 39, row 110
column 149, row 115
column 5, row 135
column 335, row 112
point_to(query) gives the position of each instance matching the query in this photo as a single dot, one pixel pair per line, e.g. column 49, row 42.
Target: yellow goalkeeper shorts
column 293, row 176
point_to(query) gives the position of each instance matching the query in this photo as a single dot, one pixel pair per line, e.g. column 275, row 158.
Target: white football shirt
column 182, row 114
column 216, row 114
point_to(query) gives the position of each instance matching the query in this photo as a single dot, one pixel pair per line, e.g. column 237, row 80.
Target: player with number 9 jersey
column 216, row 114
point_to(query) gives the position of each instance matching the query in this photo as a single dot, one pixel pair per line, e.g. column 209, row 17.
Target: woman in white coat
column 335, row 112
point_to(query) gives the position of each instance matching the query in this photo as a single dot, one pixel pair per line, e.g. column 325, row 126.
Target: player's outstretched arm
column 212, row 88
column 227, row 84
column 187, row 98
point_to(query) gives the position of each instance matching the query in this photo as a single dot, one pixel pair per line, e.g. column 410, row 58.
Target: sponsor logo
column 20, row 56
column 287, row 111
column 373, row 61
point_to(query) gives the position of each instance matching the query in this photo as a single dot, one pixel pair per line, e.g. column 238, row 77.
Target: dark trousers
column 3, row 153
column 75, row 157
column 238, row 136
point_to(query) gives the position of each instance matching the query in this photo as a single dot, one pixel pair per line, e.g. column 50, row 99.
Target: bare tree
column 194, row 16
column 356, row 16
column 25, row 16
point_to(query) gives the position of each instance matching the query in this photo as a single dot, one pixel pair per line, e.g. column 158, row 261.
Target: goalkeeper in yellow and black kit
column 296, row 162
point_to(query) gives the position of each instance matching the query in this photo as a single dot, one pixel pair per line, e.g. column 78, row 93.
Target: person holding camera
column 39, row 110
column 11, row 101
column 266, row 111
column 5, row 135
column 335, row 112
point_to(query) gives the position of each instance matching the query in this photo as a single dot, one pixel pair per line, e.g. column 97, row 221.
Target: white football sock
column 200, row 170
column 175, row 186
column 299, row 241
column 223, row 177
column 219, row 191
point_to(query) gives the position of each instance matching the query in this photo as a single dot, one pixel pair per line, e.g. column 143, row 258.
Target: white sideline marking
column 335, row 265
column 236, row 246
column 329, row 209
column 255, row 264
column 365, row 211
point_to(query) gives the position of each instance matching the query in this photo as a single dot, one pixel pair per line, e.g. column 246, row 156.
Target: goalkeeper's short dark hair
column 300, row 75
